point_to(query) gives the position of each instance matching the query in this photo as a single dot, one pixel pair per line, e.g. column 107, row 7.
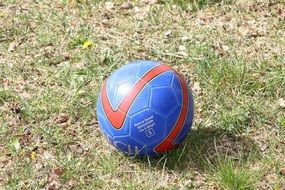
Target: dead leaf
column 198, row 180
column 47, row 156
column 25, row 95
column 282, row 171
column 53, row 181
column 12, row 47
column 182, row 51
column 61, row 118
column 141, row 13
column 199, row 110
column 27, row 131
column 196, row 88
column 271, row 177
column 77, row 148
column 5, row 82
column 281, row 103
column 53, row 185
column 244, row 30
column 185, row 38
column 174, row 7
column 16, row 107
column 109, row 5
column 281, row 13
column 25, row 137
column 4, row 159
column 126, row 5
column 58, row 171
column 151, row 2
column 70, row 184
column 181, row 48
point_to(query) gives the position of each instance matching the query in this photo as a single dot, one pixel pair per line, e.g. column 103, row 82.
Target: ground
column 55, row 54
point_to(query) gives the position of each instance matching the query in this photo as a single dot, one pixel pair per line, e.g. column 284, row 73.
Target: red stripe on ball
column 118, row 116
column 167, row 143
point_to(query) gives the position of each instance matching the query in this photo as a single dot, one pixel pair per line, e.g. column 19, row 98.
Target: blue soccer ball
column 145, row 108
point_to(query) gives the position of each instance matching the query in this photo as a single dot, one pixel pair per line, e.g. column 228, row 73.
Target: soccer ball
column 145, row 108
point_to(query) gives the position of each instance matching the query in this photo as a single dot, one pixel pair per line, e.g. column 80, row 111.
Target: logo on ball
column 145, row 108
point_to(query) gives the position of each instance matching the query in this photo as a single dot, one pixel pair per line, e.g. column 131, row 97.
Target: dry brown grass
column 232, row 53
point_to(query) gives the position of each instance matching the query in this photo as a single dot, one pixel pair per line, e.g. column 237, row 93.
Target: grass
column 229, row 176
column 232, row 52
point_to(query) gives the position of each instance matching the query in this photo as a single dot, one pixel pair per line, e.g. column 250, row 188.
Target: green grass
column 232, row 52
column 229, row 176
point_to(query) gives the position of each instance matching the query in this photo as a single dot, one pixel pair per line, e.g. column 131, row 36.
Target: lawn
column 54, row 56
